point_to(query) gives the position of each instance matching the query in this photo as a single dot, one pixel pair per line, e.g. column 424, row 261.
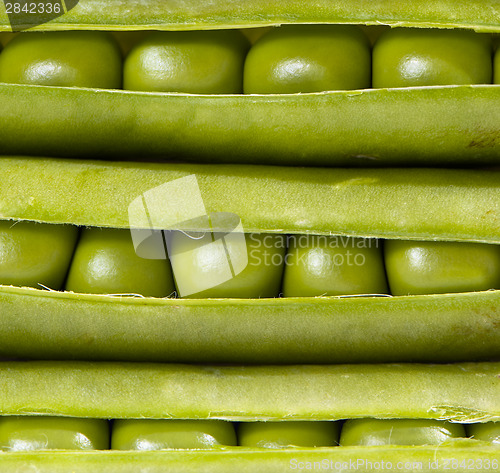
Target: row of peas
column 105, row 261
column 66, row 433
column 287, row 59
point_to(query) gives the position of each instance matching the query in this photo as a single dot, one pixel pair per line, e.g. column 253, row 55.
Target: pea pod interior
column 460, row 393
column 454, row 124
column 414, row 328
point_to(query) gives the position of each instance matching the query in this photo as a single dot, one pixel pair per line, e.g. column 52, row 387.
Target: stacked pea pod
column 379, row 265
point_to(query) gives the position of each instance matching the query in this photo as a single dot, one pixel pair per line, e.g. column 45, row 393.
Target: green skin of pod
column 377, row 432
column 431, row 328
column 441, row 267
column 466, row 392
column 288, row 434
column 489, row 431
column 105, row 263
column 448, row 126
column 34, row 254
column 151, row 434
column 198, row 62
column 322, row 265
column 308, row 58
column 69, row 58
column 52, row 433
column 196, row 259
column 417, row 57
column 268, row 199
column 192, row 14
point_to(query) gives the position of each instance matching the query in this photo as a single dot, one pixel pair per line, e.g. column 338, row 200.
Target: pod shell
column 433, row 328
column 419, row 204
column 417, row 126
column 468, row 392
column 481, row 15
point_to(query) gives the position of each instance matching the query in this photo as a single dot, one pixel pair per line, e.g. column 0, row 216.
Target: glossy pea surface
column 200, row 62
column 324, row 265
column 227, row 265
column 48, row 433
column 405, row 57
column 288, row 434
column 149, row 434
column 66, row 58
column 441, row 267
column 489, row 432
column 34, row 254
column 373, row 432
column 308, row 58
column 105, row 262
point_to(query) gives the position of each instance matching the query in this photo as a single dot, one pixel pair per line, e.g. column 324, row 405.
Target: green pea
column 405, row 57
column 441, row 267
column 47, row 433
column 373, row 432
column 149, row 434
column 308, row 58
column 202, row 62
column 66, row 58
column 34, row 254
column 489, row 431
column 227, row 265
column 324, row 265
column 105, row 262
column 288, row 433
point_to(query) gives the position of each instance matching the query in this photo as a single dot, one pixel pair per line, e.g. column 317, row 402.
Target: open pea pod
column 427, row 126
column 461, row 393
column 404, row 204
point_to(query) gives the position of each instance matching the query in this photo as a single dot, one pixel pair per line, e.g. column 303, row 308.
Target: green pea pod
column 462, row 393
column 468, row 392
column 52, row 325
column 452, row 125
column 448, row 327
column 448, row 125
column 481, row 15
